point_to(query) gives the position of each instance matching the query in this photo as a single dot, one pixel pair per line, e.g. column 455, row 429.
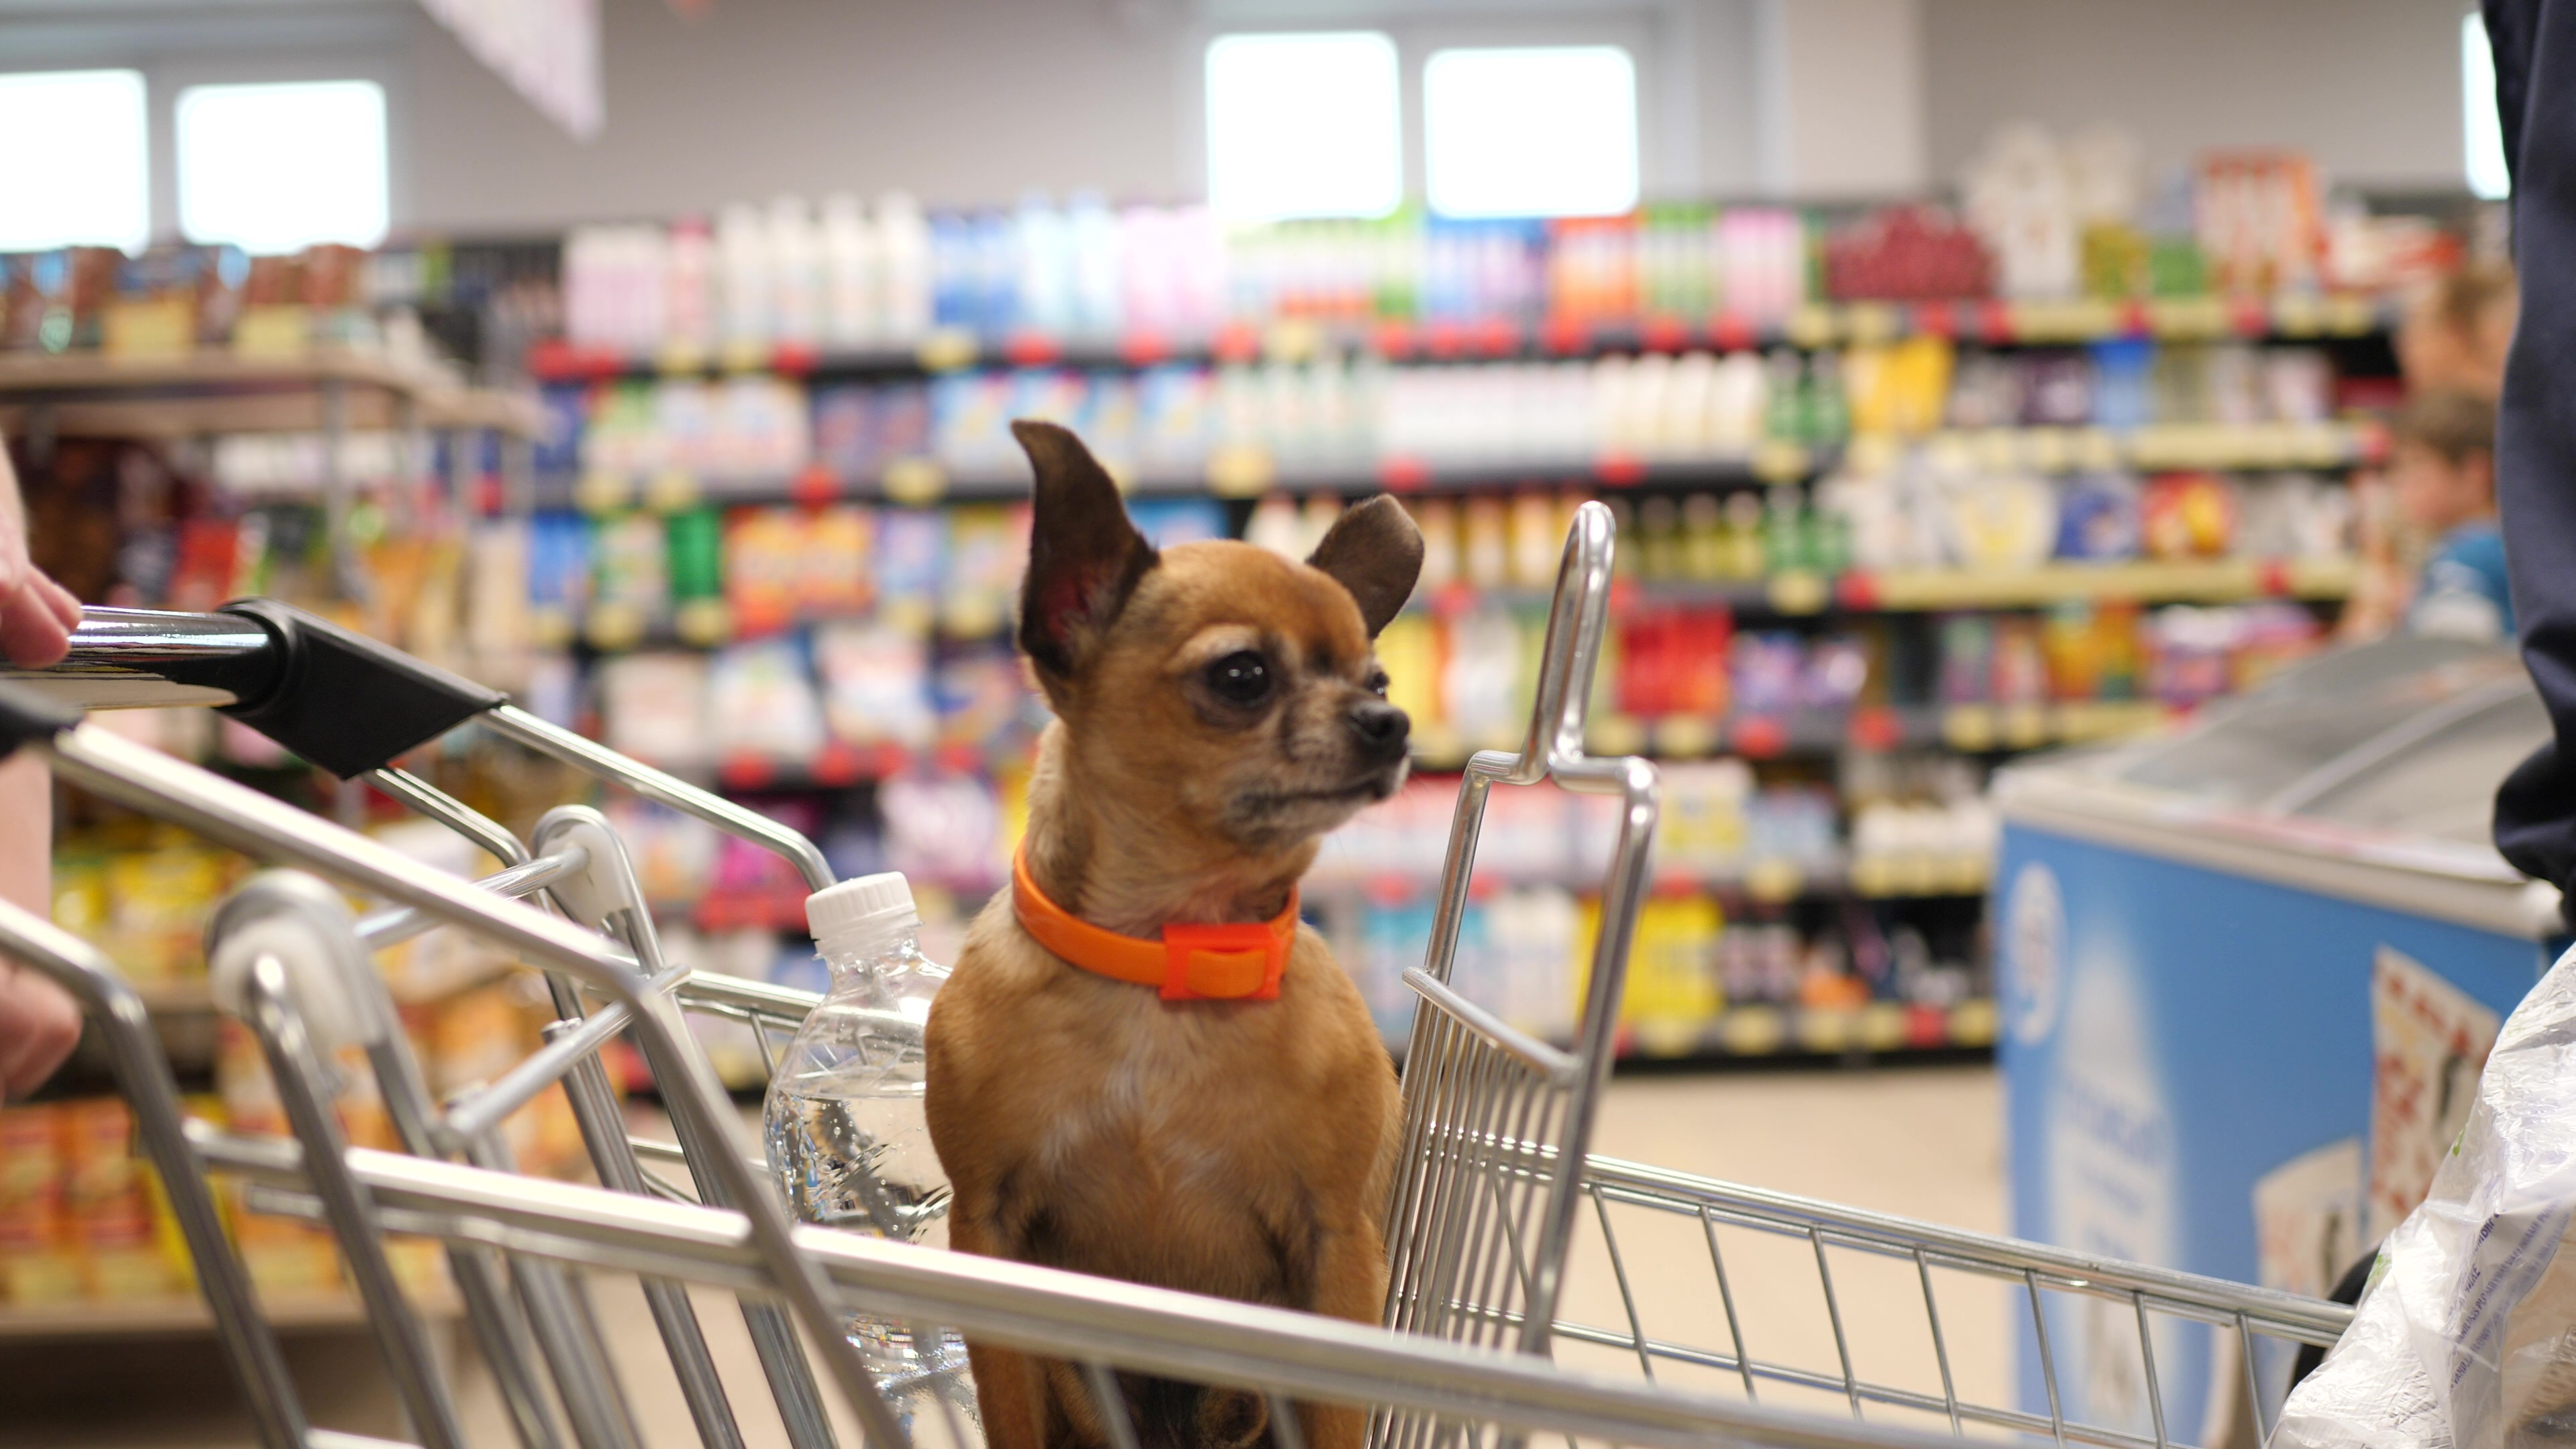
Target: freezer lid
column 2245, row 752
column 2386, row 755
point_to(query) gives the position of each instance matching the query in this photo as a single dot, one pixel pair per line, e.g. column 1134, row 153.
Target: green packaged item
column 695, row 541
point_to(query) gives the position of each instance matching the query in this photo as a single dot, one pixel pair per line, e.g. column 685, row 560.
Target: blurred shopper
column 2452, row 342
column 2456, row 334
column 38, row 1024
column 2535, row 56
column 2443, row 476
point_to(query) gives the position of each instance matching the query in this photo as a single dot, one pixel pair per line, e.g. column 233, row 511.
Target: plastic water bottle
column 847, row 1137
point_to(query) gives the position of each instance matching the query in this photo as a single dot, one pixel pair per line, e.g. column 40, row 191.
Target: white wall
column 1842, row 85
column 2371, row 88
column 975, row 100
column 960, row 100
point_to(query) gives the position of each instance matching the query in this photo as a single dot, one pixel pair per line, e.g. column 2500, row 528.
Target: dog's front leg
column 1009, row 1394
column 1350, row 1282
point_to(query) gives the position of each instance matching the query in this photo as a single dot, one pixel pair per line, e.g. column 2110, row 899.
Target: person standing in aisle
column 2535, row 62
column 38, row 1023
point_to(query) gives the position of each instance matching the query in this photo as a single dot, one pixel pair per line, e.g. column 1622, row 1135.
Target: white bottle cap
column 860, row 916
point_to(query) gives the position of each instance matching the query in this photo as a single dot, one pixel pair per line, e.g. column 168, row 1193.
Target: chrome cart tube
column 592, row 758
column 1056, row 1314
column 1475, row 1091
column 143, row 1073
column 128, row 658
column 261, row 825
column 504, row 1331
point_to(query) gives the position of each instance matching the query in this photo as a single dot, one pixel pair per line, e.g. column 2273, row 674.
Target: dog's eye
column 1376, row 683
column 1241, row 678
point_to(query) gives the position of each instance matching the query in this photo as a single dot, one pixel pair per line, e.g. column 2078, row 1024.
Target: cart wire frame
column 1481, row 1224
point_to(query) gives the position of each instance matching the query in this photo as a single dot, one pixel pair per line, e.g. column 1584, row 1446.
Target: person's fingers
column 39, row 1026
column 65, row 604
column 31, row 634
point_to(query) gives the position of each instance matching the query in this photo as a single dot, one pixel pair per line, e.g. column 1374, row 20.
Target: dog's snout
column 1381, row 728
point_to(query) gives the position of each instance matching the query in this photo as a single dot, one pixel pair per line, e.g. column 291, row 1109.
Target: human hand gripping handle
column 38, row 1023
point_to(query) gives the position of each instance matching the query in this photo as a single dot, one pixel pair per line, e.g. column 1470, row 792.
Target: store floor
column 1924, row 1142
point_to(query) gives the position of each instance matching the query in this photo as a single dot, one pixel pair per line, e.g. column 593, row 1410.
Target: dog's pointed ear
column 1375, row 552
column 1084, row 555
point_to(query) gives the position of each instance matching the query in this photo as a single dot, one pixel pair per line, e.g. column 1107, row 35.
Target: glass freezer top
column 2406, row 736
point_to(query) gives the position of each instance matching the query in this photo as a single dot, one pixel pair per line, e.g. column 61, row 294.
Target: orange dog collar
column 1231, row 962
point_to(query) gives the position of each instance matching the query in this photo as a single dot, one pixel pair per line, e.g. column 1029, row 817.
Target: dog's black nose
column 1381, row 728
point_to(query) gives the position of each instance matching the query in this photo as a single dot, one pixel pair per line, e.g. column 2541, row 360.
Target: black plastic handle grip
column 339, row 698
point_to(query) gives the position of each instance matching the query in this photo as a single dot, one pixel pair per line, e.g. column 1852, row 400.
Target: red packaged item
column 1907, row 254
column 36, row 1265
column 2187, row 515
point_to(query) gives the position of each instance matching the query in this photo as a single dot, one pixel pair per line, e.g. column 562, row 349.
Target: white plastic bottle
column 848, row 1142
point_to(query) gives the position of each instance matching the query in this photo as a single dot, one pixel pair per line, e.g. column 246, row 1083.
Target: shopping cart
column 1521, row 1293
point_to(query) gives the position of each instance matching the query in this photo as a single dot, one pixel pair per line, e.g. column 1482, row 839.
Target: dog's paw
column 1231, row 1419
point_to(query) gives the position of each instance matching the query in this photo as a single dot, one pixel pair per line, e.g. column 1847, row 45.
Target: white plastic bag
column 2466, row 1336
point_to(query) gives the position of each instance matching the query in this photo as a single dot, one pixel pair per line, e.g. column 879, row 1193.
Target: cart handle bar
column 345, row 701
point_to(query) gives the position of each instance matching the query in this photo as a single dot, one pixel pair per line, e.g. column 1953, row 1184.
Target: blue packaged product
column 953, row 280
column 565, row 412
column 559, row 562
column 2097, row 517
column 912, row 545
column 845, row 434
column 1167, row 521
column 2124, row 382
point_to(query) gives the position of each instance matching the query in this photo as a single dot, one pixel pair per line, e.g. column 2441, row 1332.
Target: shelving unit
column 50, row 401
column 92, row 395
column 1805, row 746
column 1989, row 322
column 1881, row 1028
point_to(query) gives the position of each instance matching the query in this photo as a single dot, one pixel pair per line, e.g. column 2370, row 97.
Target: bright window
column 277, row 168
column 1530, row 131
column 74, row 169
column 1303, row 125
column 2478, row 123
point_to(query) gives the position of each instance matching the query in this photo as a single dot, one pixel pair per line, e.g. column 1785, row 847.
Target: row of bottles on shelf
column 845, row 275
column 83, row 1219
column 1185, row 421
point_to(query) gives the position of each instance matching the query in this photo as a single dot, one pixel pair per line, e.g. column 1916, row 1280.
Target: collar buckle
column 1234, row 961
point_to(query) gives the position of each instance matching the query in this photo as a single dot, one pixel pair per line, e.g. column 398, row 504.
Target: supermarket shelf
column 1977, row 728
column 1925, row 878
column 1245, row 473
column 1908, row 877
column 709, row 624
column 2194, row 581
column 1974, row 727
column 920, row 481
column 87, row 394
column 1990, row 322
column 158, row 1317
column 1778, row 1031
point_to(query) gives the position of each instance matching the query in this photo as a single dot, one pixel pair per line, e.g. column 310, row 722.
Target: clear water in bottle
column 847, row 1139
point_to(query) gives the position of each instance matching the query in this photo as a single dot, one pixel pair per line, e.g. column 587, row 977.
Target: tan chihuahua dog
column 1143, row 1067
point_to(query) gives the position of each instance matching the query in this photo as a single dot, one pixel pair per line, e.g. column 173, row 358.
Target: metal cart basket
column 1618, row 1303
